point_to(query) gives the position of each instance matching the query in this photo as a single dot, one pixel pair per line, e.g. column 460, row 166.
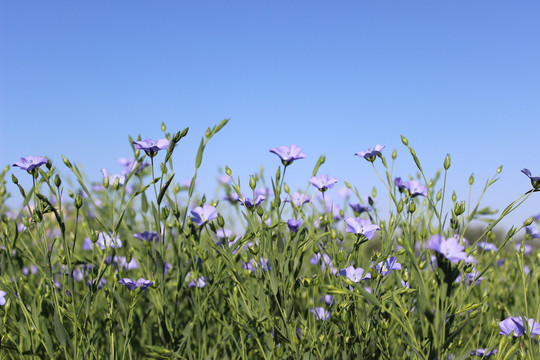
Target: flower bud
column 315, row 279
column 228, row 170
column 14, row 179
column 471, row 179
column 528, row 222
column 412, row 207
column 57, row 181
column 306, row 282
column 447, row 162
column 106, row 182
column 116, row 183
column 67, row 162
column 220, row 221
column 260, row 211
column 252, row 182
column 163, row 127
column 400, row 206
column 165, row 213
column 404, row 140
column 459, row 208
column 254, row 249
column 394, row 154
column 286, row 188
column 373, row 195
column 499, row 169
column 78, row 202
column 278, row 172
column 454, row 196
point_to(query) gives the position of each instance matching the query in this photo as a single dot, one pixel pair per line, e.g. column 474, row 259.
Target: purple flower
column 253, row 265
column 354, row 274
column 370, row 153
column 514, row 325
column 2, row 298
column 320, row 313
column 299, row 199
column 31, row 163
column 359, row 226
column 288, row 155
column 131, row 165
column 328, row 300
column 485, row 353
column 324, row 260
column 535, row 180
column 106, row 240
column 359, row 208
column 133, row 285
column 323, row 182
column 449, row 248
column 413, row 186
column 122, row 263
column 224, row 179
column 469, row 278
column 151, row 147
column 199, row 282
column 203, row 214
column 385, row 267
column 532, row 231
column 224, row 233
column 486, row 246
column 250, row 203
column 294, row 224
column 146, row 236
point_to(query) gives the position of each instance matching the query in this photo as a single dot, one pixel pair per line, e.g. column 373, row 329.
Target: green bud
column 14, row 179
column 254, row 249
column 252, row 182
column 454, row 196
column 220, row 221
column 342, row 213
column 228, row 170
column 204, row 255
column 57, row 181
column 315, row 279
column 78, row 202
column 116, row 183
column 412, row 207
column 348, row 185
column 165, row 213
column 400, row 206
column 260, row 211
column 306, row 282
column 522, row 248
column 163, row 127
column 286, row 188
column 374, row 193
column 48, row 164
column 278, row 174
column 471, row 179
column 394, row 154
column 106, row 182
column 279, row 351
column 529, row 221
column 447, row 162
column 439, row 195
column 422, row 265
column 67, row 162
column 459, row 208
column 404, row 140
column 499, row 169
column 94, row 236
column 333, row 234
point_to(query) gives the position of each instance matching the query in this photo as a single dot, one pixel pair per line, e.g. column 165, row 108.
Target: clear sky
column 458, row 77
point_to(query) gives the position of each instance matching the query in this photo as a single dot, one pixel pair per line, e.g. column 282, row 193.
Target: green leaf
column 198, row 160
column 60, row 332
column 164, row 189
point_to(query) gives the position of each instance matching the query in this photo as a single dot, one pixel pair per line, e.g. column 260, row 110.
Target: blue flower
column 133, row 285
column 31, row 163
column 514, row 326
column 151, row 147
column 449, row 248
column 370, row 153
column 106, row 240
column 203, row 214
column 385, row 267
column 535, row 180
column 354, row 274
column 294, row 224
column 2, row 298
column 483, row 353
column 320, row 313
column 323, row 182
column 288, row 155
column 359, row 226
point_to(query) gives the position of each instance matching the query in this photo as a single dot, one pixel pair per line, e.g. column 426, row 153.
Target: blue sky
column 460, row 77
